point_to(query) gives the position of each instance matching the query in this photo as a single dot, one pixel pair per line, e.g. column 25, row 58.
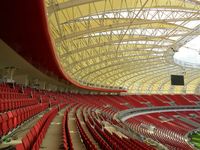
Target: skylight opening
column 164, row 43
column 156, row 49
column 190, row 24
column 175, row 38
column 140, row 32
column 158, row 54
column 189, row 54
column 152, row 14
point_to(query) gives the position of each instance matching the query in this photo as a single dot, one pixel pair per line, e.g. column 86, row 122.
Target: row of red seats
column 111, row 120
column 138, row 143
column 62, row 105
column 124, row 143
column 114, row 142
column 171, row 133
column 104, row 145
column 134, row 101
column 192, row 97
column 53, row 102
column 173, row 124
column 128, row 141
column 67, row 142
column 115, row 139
column 9, row 95
column 3, row 85
column 34, row 137
column 180, row 100
column 44, row 98
column 11, row 119
column 6, row 88
column 10, row 104
column 154, row 100
column 118, row 103
column 111, row 139
column 88, row 143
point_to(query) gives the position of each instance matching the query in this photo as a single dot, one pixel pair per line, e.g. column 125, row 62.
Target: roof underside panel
column 24, row 28
column 124, row 44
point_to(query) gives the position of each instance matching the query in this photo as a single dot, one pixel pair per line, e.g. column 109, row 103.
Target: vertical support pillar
column 21, row 79
column 8, row 74
column 42, row 85
column 35, row 83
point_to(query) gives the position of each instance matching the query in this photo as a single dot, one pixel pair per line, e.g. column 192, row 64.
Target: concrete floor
column 75, row 136
column 53, row 137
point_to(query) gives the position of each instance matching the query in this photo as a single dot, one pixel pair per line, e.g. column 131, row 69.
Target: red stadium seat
column 26, row 143
column 20, row 147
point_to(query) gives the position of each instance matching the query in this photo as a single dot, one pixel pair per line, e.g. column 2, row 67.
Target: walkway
column 129, row 113
column 53, row 137
column 75, row 136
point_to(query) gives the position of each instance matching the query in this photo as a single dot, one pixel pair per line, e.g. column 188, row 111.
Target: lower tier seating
column 168, row 128
column 95, row 114
column 11, row 119
column 34, row 137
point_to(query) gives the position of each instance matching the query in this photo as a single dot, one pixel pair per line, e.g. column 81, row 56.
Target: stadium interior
column 100, row 75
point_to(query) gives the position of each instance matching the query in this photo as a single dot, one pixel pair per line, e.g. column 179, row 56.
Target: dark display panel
column 177, row 80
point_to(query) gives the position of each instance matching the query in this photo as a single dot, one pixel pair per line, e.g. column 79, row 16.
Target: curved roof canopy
column 125, row 44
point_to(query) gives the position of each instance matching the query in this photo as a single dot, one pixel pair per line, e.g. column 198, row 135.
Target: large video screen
column 177, row 80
